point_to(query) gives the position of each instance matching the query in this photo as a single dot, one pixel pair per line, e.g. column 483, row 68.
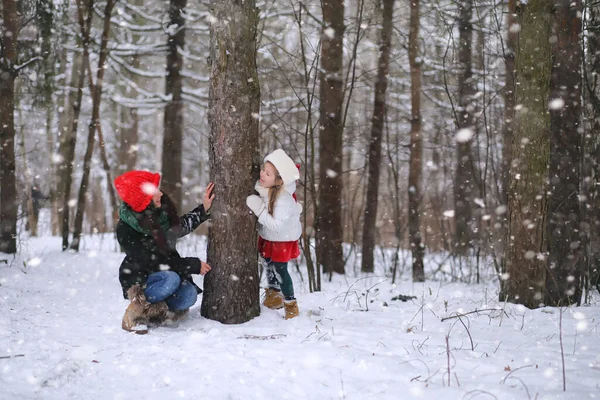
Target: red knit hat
column 136, row 188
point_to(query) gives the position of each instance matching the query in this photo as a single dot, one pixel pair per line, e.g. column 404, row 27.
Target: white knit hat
column 285, row 166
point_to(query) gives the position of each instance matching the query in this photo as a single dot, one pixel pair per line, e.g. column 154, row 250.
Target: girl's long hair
column 274, row 192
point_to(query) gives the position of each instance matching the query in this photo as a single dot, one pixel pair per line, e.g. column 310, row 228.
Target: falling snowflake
column 329, row 32
column 556, row 104
column 464, row 135
column 149, row 189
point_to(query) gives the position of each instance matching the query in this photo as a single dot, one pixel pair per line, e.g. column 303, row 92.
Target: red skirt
column 278, row 251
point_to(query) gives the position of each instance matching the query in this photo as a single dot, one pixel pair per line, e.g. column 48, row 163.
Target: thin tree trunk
column 52, row 178
column 565, row 251
column 415, row 178
column 231, row 294
column 464, row 184
column 377, row 124
column 173, row 136
column 94, row 122
column 68, row 142
column 32, row 222
column 102, row 145
column 509, row 117
column 526, row 242
column 8, row 74
column 329, row 218
column 314, row 274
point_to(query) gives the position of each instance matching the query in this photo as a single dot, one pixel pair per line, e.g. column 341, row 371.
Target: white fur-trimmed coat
column 284, row 225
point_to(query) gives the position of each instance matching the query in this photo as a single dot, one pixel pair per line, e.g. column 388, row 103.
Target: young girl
column 279, row 229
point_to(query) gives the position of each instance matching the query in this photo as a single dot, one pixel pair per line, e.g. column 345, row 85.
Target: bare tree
column 68, row 137
column 173, row 136
column 94, row 121
column 564, row 229
column 415, row 194
column 377, row 124
column 329, row 235
column 231, row 289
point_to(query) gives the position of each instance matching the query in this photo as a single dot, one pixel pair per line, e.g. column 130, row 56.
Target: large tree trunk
column 377, row 123
column 415, row 195
column 591, row 162
column 8, row 188
column 94, row 121
column 173, row 136
column 464, row 184
column 525, row 260
column 329, row 218
column 566, row 257
column 231, row 293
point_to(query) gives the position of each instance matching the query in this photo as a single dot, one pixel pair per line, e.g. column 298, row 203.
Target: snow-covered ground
column 61, row 338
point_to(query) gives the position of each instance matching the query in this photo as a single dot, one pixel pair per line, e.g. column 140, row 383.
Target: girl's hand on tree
column 256, row 204
column 204, row 268
column 209, row 196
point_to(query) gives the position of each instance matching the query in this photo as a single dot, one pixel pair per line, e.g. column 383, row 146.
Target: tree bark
column 173, row 136
column 526, row 252
column 566, row 257
column 377, row 124
column 94, row 121
column 231, row 289
column 464, row 184
column 415, row 194
column 8, row 74
column 329, row 235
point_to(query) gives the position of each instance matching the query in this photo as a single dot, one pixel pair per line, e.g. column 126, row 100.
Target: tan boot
column 134, row 319
column 291, row 309
column 273, row 299
column 140, row 313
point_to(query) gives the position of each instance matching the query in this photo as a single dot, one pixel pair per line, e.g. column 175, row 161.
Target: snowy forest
column 444, row 146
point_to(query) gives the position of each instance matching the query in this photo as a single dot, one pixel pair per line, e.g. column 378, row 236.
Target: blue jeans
column 167, row 286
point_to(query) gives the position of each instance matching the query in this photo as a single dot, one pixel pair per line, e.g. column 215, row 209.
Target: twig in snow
column 503, row 312
column 562, row 351
column 448, row 352
column 268, row 337
column 514, row 370
column 477, row 392
column 14, row 356
column 471, row 312
column 524, row 386
column 468, row 333
column 497, row 347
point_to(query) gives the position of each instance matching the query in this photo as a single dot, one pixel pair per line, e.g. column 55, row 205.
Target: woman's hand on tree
column 209, row 196
column 204, row 268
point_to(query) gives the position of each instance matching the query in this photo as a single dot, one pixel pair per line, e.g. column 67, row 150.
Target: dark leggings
column 279, row 278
